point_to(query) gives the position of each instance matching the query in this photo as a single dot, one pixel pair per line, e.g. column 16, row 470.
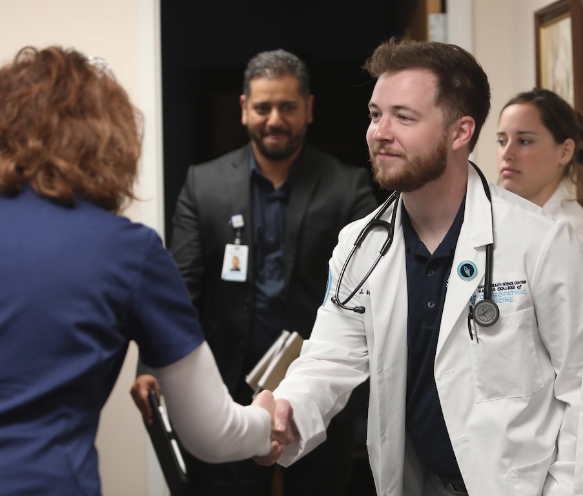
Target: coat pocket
column 504, row 359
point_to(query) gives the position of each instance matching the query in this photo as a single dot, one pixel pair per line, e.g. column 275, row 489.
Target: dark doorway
column 205, row 48
column 206, row 45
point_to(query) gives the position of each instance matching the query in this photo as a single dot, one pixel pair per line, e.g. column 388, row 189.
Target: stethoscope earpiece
column 354, row 309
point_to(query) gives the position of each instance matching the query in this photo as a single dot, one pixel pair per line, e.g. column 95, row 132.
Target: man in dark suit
column 276, row 204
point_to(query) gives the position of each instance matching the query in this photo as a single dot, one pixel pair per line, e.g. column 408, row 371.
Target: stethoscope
column 484, row 313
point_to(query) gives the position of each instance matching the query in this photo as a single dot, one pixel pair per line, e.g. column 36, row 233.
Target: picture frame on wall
column 559, row 50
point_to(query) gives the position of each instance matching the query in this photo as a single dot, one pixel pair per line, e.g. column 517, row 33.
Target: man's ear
column 462, row 132
column 243, row 103
column 310, row 109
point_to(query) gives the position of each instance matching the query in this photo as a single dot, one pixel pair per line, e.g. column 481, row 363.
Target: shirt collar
column 254, row 169
column 447, row 246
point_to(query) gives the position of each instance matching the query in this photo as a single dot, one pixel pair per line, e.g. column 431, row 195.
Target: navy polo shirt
column 269, row 212
column 427, row 277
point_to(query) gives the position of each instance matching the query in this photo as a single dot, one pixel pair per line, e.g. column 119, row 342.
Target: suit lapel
column 303, row 180
column 239, row 189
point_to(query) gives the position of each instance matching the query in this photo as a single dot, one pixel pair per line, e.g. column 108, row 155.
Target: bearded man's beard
column 277, row 152
column 414, row 172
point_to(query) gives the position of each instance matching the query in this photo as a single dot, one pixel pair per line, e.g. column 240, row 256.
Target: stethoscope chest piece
column 486, row 313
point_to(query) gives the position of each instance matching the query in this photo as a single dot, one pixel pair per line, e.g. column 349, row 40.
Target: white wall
column 504, row 45
column 125, row 32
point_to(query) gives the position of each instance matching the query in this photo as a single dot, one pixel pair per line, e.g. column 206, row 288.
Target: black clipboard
column 167, row 449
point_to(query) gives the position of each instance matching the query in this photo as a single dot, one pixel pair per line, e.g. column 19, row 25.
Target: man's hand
column 281, row 432
column 139, row 391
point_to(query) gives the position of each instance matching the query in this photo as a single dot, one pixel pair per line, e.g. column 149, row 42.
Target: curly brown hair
column 67, row 128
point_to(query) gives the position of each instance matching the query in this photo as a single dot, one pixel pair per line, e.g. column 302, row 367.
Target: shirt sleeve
column 165, row 323
column 210, row 424
column 332, row 363
column 557, row 295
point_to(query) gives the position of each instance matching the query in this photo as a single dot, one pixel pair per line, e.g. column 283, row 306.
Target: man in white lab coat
column 465, row 399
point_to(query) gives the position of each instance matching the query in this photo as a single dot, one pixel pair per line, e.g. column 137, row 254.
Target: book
column 271, row 369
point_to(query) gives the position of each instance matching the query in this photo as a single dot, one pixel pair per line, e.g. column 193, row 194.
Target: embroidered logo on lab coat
column 503, row 292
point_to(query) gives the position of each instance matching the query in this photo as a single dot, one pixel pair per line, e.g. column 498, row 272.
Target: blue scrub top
column 76, row 285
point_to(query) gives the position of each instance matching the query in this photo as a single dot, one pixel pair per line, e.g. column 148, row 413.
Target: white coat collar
column 477, row 226
column 475, row 234
column 389, row 280
column 565, row 191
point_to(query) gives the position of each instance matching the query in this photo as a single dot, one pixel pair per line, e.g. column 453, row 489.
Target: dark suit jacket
column 325, row 196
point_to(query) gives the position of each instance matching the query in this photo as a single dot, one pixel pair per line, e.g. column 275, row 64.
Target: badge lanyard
column 235, row 261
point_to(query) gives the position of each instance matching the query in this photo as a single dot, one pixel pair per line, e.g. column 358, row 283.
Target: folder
column 272, row 367
column 167, row 450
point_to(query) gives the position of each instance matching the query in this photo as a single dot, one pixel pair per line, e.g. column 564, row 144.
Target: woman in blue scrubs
column 78, row 282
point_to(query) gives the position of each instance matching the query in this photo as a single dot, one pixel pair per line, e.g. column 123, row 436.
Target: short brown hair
column 462, row 84
column 67, row 128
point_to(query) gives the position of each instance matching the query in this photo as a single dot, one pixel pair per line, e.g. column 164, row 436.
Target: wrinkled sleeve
column 210, row 424
column 332, row 363
column 557, row 294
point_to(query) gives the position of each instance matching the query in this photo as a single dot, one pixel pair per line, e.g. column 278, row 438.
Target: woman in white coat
column 539, row 136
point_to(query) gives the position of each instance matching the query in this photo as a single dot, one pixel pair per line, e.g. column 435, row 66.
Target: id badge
column 235, row 263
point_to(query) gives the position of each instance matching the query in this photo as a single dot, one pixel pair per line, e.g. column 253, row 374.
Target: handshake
column 282, row 426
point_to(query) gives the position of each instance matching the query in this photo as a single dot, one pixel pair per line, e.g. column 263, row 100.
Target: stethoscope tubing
column 488, row 305
column 375, row 221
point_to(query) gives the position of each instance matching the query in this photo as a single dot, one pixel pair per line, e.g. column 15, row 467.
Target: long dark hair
column 559, row 118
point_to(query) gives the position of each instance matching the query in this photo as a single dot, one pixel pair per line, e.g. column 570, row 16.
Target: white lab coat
column 510, row 399
column 563, row 205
